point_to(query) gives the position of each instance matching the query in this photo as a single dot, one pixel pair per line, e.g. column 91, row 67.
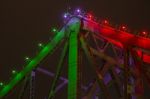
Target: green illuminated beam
column 73, row 60
column 48, row 49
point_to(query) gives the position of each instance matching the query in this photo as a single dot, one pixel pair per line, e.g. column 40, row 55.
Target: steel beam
column 58, row 72
column 98, row 75
column 47, row 50
column 73, row 59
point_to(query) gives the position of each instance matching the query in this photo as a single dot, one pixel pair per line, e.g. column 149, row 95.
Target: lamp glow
column 54, row 30
column 105, row 22
column 1, row 84
column 40, row 44
column 144, row 34
column 13, row 72
column 123, row 27
column 78, row 10
column 65, row 15
column 27, row 58
column 89, row 16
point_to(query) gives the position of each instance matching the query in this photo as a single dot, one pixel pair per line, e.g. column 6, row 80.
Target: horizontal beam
column 48, row 73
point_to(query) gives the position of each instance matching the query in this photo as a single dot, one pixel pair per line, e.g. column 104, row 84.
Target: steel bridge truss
column 115, row 58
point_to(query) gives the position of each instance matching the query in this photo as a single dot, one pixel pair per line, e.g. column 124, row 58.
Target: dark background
column 25, row 23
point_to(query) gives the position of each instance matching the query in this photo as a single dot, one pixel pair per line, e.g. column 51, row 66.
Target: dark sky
column 25, row 23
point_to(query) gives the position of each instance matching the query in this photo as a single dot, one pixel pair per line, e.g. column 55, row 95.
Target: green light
column 27, row 58
column 54, row 30
column 73, row 60
column 13, row 72
column 1, row 84
column 47, row 50
column 40, row 44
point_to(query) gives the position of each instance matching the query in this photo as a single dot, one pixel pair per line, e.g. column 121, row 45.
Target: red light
column 106, row 22
column 144, row 33
column 123, row 27
column 90, row 16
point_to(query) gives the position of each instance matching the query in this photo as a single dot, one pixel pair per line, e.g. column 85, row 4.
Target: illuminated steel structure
column 126, row 69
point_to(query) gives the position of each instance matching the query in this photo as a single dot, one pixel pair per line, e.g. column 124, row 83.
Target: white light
column 65, row 15
column 78, row 10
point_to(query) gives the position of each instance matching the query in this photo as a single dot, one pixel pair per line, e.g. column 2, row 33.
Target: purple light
column 65, row 15
column 78, row 10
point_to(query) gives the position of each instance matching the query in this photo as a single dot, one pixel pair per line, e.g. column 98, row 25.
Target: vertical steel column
column 73, row 58
column 80, row 70
column 139, row 90
column 127, row 93
column 125, row 74
column 73, row 64
column 32, row 85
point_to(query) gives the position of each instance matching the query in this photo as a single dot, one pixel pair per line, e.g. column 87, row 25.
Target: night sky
column 25, row 23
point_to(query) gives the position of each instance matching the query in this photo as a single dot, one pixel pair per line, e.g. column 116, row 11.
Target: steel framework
column 86, row 43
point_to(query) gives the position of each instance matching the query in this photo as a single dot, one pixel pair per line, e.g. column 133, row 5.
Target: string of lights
column 86, row 16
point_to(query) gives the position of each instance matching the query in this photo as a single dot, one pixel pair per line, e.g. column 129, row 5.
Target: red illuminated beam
column 123, row 37
column 119, row 38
